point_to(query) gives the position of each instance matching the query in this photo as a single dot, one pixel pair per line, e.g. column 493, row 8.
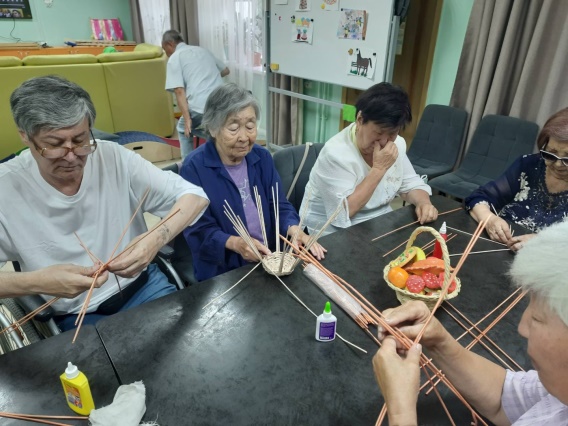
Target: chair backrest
column 438, row 137
column 287, row 162
column 497, row 142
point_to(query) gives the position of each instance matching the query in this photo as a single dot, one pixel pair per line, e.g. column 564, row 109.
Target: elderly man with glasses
column 533, row 192
column 67, row 187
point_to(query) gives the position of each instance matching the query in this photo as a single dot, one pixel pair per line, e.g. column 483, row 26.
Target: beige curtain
column 514, row 61
column 287, row 113
column 184, row 19
column 137, row 27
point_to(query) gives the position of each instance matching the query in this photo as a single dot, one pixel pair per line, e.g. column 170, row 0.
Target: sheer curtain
column 155, row 19
column 232, row 30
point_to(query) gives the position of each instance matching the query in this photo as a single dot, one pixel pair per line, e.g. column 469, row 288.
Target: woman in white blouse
column 365, row 166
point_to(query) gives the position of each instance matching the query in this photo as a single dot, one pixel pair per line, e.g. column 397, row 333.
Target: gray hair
column 172, row 35
column 226, row 100
column 536, row 268
column 50, row 102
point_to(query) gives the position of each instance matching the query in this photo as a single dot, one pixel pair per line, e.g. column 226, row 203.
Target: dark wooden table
column 251, row 357
column 29, row 377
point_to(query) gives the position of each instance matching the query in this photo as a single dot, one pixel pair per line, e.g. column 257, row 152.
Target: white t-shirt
column 197, row 71
column 340, row 167
column 37, row 222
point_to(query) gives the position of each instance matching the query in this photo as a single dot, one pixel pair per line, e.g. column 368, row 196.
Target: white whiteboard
column 327, row 59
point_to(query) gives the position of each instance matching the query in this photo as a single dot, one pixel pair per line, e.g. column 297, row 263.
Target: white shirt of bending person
column 340, row 167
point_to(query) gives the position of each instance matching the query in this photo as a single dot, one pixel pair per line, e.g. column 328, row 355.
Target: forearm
column 182, row 103
column 416, row 197
column 188, row 208
column 15, row 284
column 364, row 191
column 478, row 380
column 480, row 212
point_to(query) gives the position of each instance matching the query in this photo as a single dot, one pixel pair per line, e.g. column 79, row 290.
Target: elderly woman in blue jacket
column 228, row 167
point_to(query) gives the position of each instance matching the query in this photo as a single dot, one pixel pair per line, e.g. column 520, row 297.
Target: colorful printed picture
column 352, row 24
column 303, row 30
column 15, row 9
column 362, row 62
column 106, row 29
column 330, row 4
column 303, row 5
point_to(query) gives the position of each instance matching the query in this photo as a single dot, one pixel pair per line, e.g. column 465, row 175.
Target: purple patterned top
column 527, row 403
column 239, row 175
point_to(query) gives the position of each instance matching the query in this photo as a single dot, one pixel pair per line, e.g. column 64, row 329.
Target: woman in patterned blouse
column 533, row 192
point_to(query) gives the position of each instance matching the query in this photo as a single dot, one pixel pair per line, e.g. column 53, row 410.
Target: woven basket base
column 272, row 263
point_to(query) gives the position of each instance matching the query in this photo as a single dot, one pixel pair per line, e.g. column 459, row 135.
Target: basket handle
column 445, row 254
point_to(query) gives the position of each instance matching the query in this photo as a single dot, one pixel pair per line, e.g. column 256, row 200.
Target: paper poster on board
column 330, row 5
column 352, row 24
column 362, row 62
column 303, row 30
column 303, row 5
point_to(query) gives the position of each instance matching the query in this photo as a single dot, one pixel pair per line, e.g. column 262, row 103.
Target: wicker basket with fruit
column 415, row 277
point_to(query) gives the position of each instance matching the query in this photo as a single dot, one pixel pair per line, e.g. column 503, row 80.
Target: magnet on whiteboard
column 274, row 67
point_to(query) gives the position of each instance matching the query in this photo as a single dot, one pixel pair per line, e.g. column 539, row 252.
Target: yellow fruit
column 420, row 255
column 397, row 277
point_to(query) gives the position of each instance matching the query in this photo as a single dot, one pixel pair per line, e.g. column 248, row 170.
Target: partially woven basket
column 272, row 263
column 404, row 295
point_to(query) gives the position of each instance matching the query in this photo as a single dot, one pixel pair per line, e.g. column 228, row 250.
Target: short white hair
column 539, row 268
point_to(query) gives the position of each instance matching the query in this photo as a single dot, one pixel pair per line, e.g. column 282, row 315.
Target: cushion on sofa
column 147, row 47
column 10, row 61
column 59, row 59
column 126, row 56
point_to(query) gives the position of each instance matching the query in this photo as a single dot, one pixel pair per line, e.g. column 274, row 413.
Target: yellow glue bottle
column 77, row 390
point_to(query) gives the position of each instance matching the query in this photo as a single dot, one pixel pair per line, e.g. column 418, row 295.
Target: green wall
column 451, row 33
column 65, row 19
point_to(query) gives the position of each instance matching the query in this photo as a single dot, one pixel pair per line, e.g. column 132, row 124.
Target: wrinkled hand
column 385, row 157
column 516, row 243
column 498, row 229
column 426, row 212
column 187, row 129
column 238, row 245
column 410, row 318
column 316, row 249
column 134, row 259
column 68, row 280
column 399, row 379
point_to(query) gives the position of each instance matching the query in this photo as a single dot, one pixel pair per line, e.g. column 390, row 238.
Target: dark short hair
column 556, row 127
column 386, row 105
column 172, row 35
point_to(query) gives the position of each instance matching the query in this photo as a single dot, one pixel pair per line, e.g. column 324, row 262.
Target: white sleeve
column 165, row 187
column 410, row 179
column 174, row 75
column 335, row 180
column 220, row 64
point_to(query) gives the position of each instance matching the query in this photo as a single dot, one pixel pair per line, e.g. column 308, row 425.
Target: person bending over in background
column 192, row 74
column 228, row 167
column 68, row 184
column 366, row 165
column 536, row 397
column 533, row 192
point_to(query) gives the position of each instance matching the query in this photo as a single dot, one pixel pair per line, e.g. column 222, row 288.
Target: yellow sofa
column 127, row 89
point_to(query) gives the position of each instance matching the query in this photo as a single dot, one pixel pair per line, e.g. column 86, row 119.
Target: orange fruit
column 398, row 276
